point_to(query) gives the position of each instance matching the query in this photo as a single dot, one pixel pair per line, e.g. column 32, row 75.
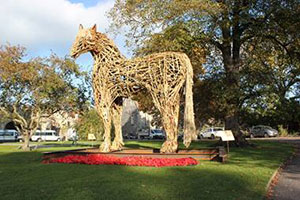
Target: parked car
column 48, row 135
column 157, row 134
column 130, row 136
column 143, row 134
column 20, row 138
column 263, row 131
column 8, row 135
column 211, row 132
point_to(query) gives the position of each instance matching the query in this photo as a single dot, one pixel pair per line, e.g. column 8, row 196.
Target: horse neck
column 105, row 50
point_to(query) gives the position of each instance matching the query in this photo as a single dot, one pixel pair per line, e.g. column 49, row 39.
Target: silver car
column 263, row 131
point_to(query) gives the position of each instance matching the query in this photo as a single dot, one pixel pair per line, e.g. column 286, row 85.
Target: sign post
column 226, row 136
column 227, row 147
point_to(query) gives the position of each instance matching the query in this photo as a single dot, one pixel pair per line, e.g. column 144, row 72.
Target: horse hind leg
column 117, row 116
column 170, row 123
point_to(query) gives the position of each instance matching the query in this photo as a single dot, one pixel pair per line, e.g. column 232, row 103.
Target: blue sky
column 45, row 26
column 88, row 3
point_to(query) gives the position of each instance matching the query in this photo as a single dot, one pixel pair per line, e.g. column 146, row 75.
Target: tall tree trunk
column 232, row 123
column 232, row 63
column 26, row 137
column 233, row 88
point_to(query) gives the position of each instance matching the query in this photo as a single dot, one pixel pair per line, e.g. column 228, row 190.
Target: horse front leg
column 170, row 123
column 106, row 144
column 117, row 116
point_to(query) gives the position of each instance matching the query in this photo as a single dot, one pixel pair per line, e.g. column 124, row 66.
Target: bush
column 282, row 131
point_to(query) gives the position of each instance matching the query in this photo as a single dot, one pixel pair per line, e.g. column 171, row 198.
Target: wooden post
column 228, row 147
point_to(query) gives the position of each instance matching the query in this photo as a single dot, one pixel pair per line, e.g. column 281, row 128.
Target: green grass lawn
column 244, row 176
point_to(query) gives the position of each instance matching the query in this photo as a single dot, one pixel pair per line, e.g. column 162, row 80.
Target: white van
column 48, row 135
column 8, row 135
column 211, row 132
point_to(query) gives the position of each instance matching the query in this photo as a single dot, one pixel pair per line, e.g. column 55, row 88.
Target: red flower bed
column 97, row 159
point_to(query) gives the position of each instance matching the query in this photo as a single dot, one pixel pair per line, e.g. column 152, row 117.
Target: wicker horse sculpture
column 163, row 75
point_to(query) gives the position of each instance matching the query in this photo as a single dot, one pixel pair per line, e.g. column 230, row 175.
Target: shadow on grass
column 24, row 177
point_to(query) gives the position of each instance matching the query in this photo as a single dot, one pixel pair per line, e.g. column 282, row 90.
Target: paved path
column 288, row 186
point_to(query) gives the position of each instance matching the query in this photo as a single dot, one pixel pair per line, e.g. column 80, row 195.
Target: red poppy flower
column 98, row 159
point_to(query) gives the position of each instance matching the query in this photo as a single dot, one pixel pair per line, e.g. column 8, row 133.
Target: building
column 134, row 120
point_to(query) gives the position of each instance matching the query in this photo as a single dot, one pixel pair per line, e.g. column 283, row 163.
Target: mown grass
column 244, row 176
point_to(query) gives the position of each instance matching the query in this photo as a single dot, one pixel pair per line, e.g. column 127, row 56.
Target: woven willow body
column 115, row 78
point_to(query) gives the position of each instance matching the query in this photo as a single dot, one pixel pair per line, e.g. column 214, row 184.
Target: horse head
column 85, row 41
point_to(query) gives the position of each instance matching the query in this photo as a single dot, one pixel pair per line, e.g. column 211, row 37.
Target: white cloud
column 41, row 25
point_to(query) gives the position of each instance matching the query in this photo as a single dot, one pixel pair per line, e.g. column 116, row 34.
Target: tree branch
column 278, row 42
column 18, row 116
column 217, row 44
column 2, row 110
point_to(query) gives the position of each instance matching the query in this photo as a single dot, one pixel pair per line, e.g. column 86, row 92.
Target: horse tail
column 189, row 120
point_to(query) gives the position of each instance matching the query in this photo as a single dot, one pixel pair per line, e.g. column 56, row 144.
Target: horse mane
column 105, row 43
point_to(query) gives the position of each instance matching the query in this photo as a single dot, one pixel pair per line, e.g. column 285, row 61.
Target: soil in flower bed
column 99, row 159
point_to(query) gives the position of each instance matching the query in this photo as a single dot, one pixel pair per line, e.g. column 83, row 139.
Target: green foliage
column 282, row 131
column 90, row 123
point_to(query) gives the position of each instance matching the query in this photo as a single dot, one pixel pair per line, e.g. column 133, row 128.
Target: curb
column 273, row 181
column 277, row 171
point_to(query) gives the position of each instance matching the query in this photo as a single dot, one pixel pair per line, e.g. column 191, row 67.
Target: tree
column 40, row 86
column 90, row 122
column 225, row 27
column 272, row 71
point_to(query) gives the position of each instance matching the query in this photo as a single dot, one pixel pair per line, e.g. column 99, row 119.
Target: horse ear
column 80, row 27
column 94, row 28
